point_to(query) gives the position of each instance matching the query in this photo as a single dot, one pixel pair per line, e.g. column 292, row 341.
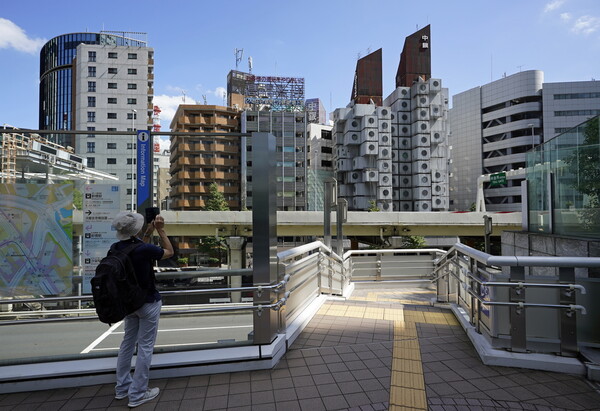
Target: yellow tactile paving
column 408, row 380
column 407, row 390
column 408, row 397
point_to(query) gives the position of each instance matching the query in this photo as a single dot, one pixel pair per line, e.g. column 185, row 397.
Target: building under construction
column 29, row 157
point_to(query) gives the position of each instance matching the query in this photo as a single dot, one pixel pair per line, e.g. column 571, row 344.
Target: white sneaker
column 149, row 395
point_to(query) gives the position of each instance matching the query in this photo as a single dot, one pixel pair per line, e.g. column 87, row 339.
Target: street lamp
column 133, row 113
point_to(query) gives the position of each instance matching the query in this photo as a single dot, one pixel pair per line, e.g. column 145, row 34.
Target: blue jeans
column 141, row 328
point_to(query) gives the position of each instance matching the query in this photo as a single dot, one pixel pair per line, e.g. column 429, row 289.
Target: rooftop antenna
column 224, row 99
column 183, row 92
column 520, row 67
column 238, row 57
column 250, row 64
column 204, row 98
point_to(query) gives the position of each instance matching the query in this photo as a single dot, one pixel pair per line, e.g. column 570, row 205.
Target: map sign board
column 36, row 239
column 100, row 206
column 145, row 170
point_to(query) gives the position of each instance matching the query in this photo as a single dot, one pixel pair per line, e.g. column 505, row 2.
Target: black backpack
column 115, row 287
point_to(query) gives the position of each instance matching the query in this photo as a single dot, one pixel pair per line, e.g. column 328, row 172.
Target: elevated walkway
column 377, row 350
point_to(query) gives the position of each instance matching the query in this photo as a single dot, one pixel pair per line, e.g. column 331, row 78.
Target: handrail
column 526, row 261
column 259, row 288
column 523, row 304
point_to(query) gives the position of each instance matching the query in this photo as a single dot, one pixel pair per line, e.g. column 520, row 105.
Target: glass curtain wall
column 563, row 177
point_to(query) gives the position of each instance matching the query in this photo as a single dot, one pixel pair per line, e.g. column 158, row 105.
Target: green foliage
column 183, row 261
column 373, row 206
column 413, row 241
column 583, row 164
column 473, row 207
column 77, row 199
column 216, row 201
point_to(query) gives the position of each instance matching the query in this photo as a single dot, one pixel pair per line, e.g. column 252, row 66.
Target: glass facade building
column 56, row 77
column 563, row 178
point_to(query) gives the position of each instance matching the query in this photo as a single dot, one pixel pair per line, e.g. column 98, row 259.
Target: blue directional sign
column 144, row 170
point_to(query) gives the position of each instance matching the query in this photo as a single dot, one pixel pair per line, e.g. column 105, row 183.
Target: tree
column 583, row 165
column 214, row 247
column 77, row 199
column 413, row 241
column 216, row 200
column 373, row 206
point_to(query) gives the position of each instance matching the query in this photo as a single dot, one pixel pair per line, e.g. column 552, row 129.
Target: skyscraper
column 99, row 81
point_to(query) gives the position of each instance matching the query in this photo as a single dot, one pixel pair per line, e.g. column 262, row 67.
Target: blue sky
column 472, row 42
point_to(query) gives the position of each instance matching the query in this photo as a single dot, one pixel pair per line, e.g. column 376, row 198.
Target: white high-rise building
column 113, row 91
column 492, row 127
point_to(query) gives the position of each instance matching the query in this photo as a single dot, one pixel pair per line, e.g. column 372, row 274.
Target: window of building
column 111, row 146
column 132, row 101
column 91, row 129
column 111, row 129
column 91, row 162
column 326, row 163
column 112, row 100
column 91, row 101
column 111, row 161
column 91, row 116
column 131, row 86
column 112, row 70
column 112, row 85
column 91, row 56
column 131, row 116
column 131, row 71
column 112, row 116
column 129, row 176
column 91, row 86
column 131, row 146
column 570, row 96
column 91, row 71
column 91, row 147
column 132, row 56
column 569, row 113
column 131, row 161
column 112, row 55
column 327, row 150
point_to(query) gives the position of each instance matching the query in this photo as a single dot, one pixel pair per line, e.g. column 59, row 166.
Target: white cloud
column 565, row 16
column 219, row 92
column 553, row 5
column 13, row 36
column 586, row 25
column 168, row 106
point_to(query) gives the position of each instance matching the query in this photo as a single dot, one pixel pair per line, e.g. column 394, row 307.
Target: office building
column 99, row 82
column 494, row 126
column 290, row 131
column 319, row 164
column 315, row 111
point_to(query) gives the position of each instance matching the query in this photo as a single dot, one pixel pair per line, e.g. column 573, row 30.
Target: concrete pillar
column 237, row 252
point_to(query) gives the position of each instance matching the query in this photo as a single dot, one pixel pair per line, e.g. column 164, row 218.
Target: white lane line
column 101, row 338
column 195, row 329
column 164, row 345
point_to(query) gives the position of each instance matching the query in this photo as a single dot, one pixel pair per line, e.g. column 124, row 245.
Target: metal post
column 518, row 323
column 330, row 195
column 487, row 222
column 342, row 213
column 264, row 234
column 568, row 318
column 237, row 250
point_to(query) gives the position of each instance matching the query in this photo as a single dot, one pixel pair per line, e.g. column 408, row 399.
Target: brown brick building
column 199, row 161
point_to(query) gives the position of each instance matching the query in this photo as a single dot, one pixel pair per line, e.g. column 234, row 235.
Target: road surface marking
column 101, row 338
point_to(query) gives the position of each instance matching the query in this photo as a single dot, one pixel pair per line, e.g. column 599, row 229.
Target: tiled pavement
column 377, row 351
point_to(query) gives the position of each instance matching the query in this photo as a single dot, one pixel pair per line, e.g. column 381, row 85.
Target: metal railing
column 522, row 303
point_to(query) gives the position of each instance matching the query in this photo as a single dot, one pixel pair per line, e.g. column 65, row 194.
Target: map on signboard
column 36, row 239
